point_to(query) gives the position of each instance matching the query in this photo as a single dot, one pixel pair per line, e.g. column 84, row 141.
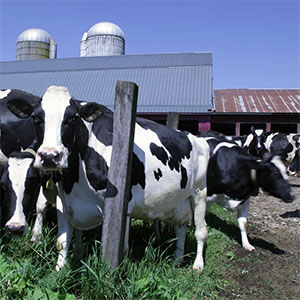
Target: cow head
column 272, row 178
column 256, row 145
column 58, row 122
column 20, row 182
column 294, row 166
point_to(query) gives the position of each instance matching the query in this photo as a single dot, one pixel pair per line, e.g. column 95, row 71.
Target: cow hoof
column 198, row 267
column 57, row 268
column 78, row 254
column 249, row 248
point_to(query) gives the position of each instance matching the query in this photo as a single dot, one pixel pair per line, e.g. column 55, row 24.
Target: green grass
column 27, row 271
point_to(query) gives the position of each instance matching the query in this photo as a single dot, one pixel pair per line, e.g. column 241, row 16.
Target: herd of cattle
column 57, row 149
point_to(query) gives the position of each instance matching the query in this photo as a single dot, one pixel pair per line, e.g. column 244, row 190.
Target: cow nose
column 290, row 197
column 50, row 160
column 15, row 230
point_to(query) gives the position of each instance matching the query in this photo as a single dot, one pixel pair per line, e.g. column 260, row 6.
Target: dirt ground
column 272, row 271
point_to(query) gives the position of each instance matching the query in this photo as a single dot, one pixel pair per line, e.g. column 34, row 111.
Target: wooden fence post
column 119, row 174
column 173, row 120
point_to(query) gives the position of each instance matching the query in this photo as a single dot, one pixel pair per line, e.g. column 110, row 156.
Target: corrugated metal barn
column 180, row 82
column 236, row 110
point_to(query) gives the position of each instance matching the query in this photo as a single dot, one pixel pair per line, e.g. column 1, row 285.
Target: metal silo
column 103, row 39
column 35, row 44
column 83, row 45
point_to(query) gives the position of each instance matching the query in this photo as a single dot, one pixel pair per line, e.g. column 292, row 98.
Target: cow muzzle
column 16, row 230
column 289, row 198
column 50, row 159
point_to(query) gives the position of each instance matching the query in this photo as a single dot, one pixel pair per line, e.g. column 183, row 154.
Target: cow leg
column 38, row 224
column 180, row 231
column 127, row 228
column 64, row 235
column 78, row 247
column 126, row 236
column 242, row 221
column 157, row 227
column 200, row 226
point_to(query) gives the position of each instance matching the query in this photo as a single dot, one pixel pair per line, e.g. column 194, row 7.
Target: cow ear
column 252, row 129
column 91, row 111
column 20, row 107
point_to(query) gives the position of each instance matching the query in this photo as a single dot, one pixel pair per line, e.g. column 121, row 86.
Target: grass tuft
column 27, row 271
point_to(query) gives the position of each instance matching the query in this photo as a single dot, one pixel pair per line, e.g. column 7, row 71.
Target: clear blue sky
column 255, row 44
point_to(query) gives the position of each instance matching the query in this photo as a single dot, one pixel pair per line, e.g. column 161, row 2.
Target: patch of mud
column 272, row 271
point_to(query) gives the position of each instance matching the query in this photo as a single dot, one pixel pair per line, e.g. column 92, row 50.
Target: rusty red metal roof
column 257, row 100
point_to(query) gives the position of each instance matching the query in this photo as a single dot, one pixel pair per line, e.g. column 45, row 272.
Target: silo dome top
column 105, row 28
column 34, row 34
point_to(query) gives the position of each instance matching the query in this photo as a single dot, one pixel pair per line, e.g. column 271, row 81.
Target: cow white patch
column 279, row 164
column 100, row 148
column 259, row 132
column 84, row 205
column 269, row 140
column 54, row 103
column 248, row 140
column 224, row 144
column 224, row 201
column 17, row 170
column 4, row 94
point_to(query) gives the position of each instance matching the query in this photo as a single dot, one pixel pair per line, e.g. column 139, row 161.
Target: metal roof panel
column 166, row 82
column 257, row 100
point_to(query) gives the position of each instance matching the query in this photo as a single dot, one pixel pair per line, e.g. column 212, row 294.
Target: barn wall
column 233, row 124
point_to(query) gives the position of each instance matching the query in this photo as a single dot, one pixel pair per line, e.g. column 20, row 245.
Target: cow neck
column 71, row 175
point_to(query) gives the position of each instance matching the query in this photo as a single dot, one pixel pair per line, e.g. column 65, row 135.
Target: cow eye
column 72, row 120
column 37, row 120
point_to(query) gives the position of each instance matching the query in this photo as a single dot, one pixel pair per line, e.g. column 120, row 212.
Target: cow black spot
column 184, row 178
column 111, row 190
column 173, row 164
column 158, row 174
column 176, row 142
column 159, row 152
column 71, row 174
column 96, row 169
column 138, row 175
column 103, row 128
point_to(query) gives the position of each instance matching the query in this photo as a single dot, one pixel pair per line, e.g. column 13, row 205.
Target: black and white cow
column 259, row 142
column 15, row 133
column 287, row 146
column 234, row 176
column 169, row 168
column 28, row 189
column 253, row 142
column 22, row 183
